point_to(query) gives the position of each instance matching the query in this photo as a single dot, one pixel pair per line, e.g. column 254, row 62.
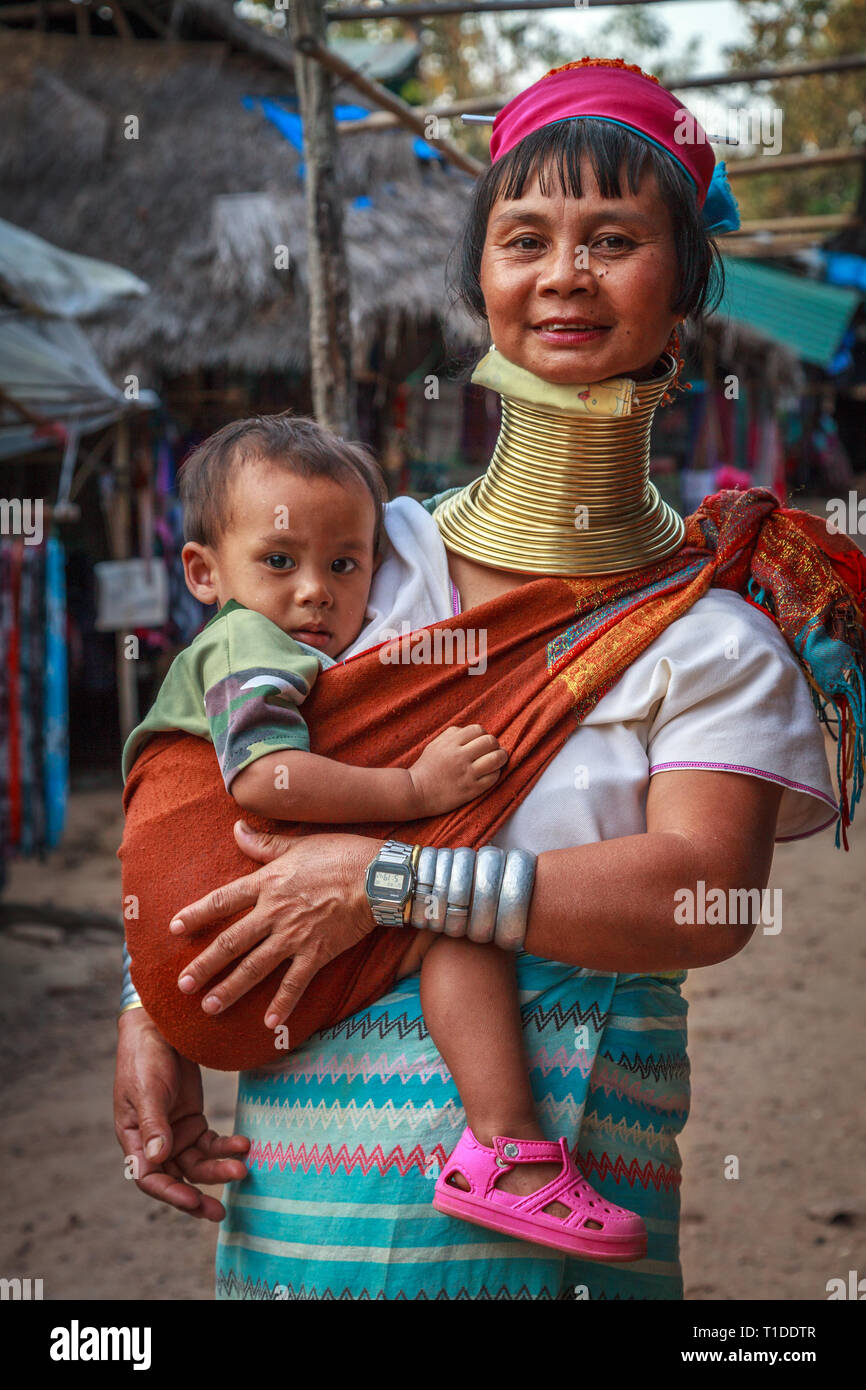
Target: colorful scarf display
column 550, row 657
column 33, row 697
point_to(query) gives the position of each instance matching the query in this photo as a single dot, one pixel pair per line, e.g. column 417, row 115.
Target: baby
column 284, row 526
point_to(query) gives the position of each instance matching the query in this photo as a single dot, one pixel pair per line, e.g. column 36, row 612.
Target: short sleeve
column 737, row 700
column 255, row 678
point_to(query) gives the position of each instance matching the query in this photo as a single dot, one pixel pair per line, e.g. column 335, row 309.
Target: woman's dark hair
column 559, row 147
column 294, row 442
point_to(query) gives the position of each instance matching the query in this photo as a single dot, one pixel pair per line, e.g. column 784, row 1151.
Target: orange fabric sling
column 554, row 647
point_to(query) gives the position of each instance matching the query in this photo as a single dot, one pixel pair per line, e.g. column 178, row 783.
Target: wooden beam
column 485, row 105
column 120, row 21
column 327, row 268
column 35, row 9
column 779, row 163
column 751, row 248
column 429, row 9
column 822, row 222
column 219, row 15
column 143, row 10
column 31, row 416
column 404, row 114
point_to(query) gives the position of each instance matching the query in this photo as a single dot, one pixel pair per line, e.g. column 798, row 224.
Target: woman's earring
column 673, row 347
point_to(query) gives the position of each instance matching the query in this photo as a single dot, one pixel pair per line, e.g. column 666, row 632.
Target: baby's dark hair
column 294, row 442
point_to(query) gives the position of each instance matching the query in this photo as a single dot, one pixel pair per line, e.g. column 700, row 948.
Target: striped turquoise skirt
column 350, row 1132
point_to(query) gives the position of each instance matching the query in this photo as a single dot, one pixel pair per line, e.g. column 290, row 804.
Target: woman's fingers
column 181, row 1196
column 224, row 901
column 234, row 941
column 292, row 986
column 251, row 969
column 212, row 1161
column 261, row 844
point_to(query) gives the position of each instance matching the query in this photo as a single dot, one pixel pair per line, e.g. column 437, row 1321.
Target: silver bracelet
column 518, row 880
column 128, row 993
column 489, row 867
column 483, row 895
column 439, row 896
column 459, row 892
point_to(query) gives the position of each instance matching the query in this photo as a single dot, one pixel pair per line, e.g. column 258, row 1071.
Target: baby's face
column 299, row 551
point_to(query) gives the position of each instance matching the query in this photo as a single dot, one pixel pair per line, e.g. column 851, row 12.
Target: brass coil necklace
column 567, row 490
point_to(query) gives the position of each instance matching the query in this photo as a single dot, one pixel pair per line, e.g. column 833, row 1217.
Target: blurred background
column 155, row 284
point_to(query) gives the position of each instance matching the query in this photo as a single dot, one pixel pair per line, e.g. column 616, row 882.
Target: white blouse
column 719, row 688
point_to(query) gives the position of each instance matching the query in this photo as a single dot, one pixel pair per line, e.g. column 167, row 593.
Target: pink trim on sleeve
column 768, row 777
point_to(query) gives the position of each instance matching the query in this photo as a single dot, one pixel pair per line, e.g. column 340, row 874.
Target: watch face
column 389, row 880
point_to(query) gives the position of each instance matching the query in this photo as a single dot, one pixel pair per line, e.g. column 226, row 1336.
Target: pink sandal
column 595, row 1229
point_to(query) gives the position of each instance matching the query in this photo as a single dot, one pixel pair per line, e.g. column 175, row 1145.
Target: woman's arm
column 612, row 905
column 606, row 906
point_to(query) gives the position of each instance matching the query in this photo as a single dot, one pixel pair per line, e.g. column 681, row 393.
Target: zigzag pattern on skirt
column 346, row 1143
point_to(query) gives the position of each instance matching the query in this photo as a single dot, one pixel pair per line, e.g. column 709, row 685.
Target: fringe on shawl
column 843, row 692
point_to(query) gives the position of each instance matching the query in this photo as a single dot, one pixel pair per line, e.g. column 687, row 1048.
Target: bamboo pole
column 330, row 321
column 487, row 104
column 819, row 223
column 779, row 163
column 429, row 9
column 403, row 113
column 754, row 248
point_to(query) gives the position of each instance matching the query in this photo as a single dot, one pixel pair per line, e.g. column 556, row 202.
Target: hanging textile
column 55, row 695
column 33, row 698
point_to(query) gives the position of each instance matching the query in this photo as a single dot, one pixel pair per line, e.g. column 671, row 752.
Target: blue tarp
column 290, row 126
column 844, row 268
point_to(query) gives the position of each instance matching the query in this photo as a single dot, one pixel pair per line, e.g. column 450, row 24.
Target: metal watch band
column 400, row 855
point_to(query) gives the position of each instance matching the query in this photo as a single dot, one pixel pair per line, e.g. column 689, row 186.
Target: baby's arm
column 292, row 784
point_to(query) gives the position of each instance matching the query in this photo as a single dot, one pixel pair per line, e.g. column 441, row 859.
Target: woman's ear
column 200, row 571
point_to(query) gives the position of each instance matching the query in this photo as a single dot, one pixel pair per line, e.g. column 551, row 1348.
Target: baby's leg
column 470, row 1002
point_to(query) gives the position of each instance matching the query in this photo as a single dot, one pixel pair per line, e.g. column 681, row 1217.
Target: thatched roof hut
column 197, row 202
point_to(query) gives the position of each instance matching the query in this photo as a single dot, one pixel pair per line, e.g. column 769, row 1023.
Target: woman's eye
column 532, row 239
column 624, row 241
column 279, row 562
column 344, row 560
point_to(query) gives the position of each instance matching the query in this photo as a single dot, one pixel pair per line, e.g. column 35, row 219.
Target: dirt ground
column 777, row 1045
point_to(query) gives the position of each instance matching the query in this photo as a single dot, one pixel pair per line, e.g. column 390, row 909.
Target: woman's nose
column 567, row 267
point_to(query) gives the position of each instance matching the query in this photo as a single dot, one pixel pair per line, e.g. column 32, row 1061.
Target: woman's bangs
column 555, row 152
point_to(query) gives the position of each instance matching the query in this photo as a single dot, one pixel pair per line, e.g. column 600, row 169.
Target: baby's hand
column 456, row 766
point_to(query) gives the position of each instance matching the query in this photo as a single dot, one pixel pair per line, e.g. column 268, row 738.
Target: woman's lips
column 569, row 337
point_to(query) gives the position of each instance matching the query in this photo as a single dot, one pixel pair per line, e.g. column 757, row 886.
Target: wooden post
column 330, row 323
column 119, row 540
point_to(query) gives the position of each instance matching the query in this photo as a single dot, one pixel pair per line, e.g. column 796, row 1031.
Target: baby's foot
column 523, row 1178
column 499, row 1194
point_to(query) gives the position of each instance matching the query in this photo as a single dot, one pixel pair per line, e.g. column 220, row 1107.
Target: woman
column 695, row 744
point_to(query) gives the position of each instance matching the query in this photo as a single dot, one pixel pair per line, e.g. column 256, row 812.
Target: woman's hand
column 160, row 1124
column 307, row 903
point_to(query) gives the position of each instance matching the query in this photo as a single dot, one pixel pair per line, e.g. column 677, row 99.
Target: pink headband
column 609, row 90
